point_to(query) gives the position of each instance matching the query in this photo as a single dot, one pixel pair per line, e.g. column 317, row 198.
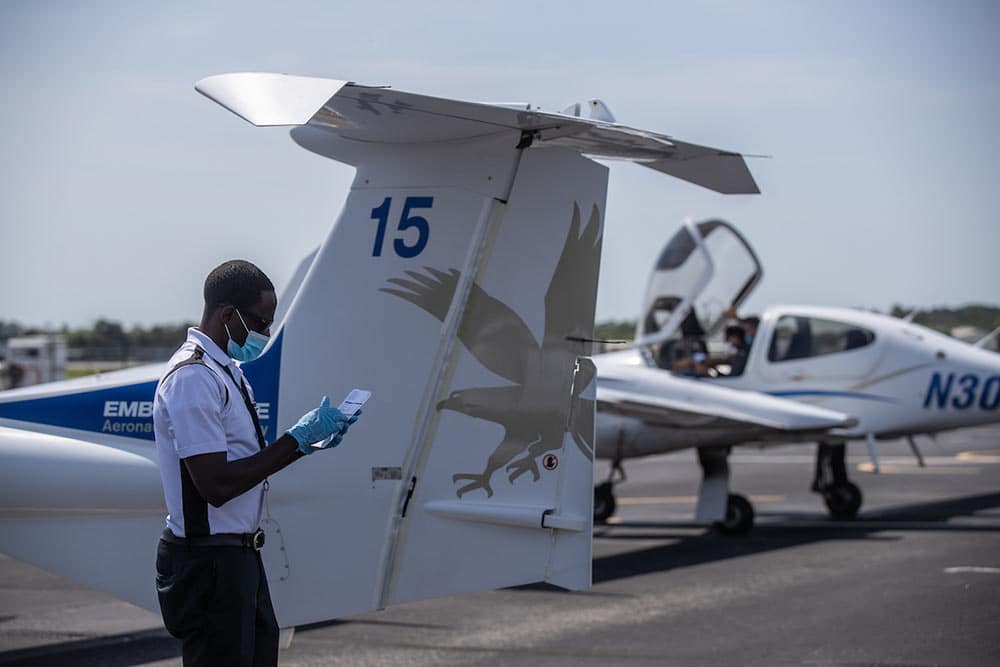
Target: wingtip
column 267, row 99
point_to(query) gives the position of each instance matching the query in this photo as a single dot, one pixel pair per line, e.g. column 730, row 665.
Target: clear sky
column 121, row 187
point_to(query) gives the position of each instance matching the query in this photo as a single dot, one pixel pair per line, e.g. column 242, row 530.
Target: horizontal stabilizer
column 710, row 168
column 378, row 114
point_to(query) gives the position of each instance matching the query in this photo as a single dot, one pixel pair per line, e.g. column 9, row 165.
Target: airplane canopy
column 705, row 269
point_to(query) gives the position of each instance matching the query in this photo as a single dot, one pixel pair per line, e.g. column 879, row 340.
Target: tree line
column 111, row 339
column 107, row 339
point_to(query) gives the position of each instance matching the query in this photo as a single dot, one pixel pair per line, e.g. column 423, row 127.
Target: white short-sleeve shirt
column 198, row 409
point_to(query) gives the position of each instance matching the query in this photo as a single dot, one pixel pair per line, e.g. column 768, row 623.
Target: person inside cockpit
column 737, row 350
column 691, row 364
column 749, row 325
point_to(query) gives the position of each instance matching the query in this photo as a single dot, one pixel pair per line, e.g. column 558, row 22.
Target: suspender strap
column 198, row 357
column 195, row 507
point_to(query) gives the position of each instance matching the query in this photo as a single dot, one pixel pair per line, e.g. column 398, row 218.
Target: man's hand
column 318, row 425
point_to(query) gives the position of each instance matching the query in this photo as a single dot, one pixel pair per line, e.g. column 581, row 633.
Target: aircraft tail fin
column 471, row 276
column 466, row 264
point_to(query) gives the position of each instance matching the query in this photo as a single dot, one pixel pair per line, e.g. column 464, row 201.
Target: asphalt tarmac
column 914, row 581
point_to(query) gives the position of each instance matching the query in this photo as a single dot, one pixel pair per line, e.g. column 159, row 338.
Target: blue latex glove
column 319, row 424
column 335, row 440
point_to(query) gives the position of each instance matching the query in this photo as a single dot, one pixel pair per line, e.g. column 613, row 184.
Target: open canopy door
column 705, row 269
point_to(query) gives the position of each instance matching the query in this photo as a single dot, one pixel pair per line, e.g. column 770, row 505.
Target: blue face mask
column 748, row 338
column 251, row 348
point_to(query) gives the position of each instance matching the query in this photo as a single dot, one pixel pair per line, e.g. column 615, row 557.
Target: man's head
column 750, row 324
column 734, row 335
column 238, row 298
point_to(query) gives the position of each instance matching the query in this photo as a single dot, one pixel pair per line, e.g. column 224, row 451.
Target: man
column 214, row 463
column 737, row 348
column 749, row 325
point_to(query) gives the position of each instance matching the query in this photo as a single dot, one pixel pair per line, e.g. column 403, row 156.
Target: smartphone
column 349, row 406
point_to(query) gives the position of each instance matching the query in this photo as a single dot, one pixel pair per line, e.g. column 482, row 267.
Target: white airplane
column 458, row 284
column 892, row 377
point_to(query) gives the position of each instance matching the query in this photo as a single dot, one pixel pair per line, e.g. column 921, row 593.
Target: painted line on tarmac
column 685, row 500
column 874, row 523
column 958, row 460
column 975, row 569
column 658, row 500
column 981, row 456
column 914, row 469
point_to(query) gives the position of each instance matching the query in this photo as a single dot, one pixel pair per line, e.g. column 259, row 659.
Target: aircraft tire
column 843, row 500
column 604, row 502
column 739, row 516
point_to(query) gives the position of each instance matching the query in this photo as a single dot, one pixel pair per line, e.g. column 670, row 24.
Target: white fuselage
column 906, row 379
column 909, row 379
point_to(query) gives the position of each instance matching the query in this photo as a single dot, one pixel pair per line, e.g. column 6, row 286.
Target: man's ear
column 226, row 313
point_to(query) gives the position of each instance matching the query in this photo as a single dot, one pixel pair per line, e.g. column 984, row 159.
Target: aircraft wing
column 659, row 410
column 360, row 113
column 662, row 412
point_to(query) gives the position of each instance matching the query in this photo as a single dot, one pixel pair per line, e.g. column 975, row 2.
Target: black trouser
column 216, row 601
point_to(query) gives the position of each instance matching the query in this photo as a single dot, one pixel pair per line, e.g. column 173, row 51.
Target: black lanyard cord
column 250, row 406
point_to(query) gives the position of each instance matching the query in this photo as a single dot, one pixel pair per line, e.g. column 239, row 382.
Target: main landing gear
column 842, row 498
column 728, row 513
column 739, row 516
column 604, row 494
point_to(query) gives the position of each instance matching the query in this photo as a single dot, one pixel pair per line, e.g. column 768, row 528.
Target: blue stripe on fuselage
column 127, row 410
column 803, row 393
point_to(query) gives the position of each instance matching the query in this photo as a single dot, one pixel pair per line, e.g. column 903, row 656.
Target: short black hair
column 752, row 321
column 736, row 331
column 236, row 282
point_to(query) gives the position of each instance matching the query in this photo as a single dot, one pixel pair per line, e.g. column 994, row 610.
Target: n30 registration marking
column 963, row 391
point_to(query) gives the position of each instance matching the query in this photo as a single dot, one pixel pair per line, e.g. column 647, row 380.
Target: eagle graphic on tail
column 544, row 401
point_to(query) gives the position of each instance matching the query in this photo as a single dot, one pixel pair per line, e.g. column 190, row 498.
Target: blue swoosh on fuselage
column 803, row 393
column 127, row 410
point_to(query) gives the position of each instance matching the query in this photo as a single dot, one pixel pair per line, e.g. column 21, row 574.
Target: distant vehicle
column 458, row 285
column 978, row 337
column 891, row 377
column 31, row 360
